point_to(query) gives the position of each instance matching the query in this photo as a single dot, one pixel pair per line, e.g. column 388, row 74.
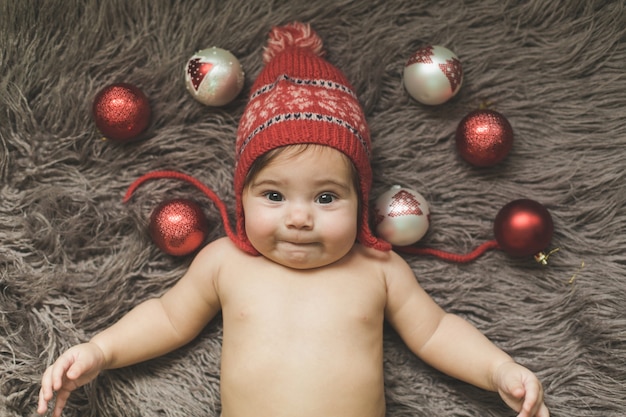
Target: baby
column 303, row 305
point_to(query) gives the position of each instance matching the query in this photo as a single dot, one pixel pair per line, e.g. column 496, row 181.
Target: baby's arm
column 151, row 329
column 455, row 347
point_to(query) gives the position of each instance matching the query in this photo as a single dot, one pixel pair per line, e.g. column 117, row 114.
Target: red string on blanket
column 447, row 256
column 187, row 178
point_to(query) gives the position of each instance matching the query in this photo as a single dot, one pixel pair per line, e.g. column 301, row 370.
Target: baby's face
column 301, row 209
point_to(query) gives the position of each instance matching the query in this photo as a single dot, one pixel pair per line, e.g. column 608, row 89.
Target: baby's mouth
column 299, row 242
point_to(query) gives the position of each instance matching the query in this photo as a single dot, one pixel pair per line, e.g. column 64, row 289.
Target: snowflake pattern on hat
column 285, row 100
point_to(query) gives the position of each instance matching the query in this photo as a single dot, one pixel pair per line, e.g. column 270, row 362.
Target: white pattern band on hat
column 300, row 81
column 304, row 117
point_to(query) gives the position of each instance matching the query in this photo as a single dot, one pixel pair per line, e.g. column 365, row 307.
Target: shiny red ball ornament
column 523, row 228
column 484, row 138
column 178, row 227
column 121, row 112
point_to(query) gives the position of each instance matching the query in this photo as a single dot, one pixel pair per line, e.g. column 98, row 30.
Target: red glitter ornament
column 178, row 227
column 121, row 111
column 484, row 138
column 523, row 227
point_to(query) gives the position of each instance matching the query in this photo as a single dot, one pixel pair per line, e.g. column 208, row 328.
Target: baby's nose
column 300, row 216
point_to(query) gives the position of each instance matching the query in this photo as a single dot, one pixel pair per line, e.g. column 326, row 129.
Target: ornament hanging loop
column 543, row 257
column 485, row 105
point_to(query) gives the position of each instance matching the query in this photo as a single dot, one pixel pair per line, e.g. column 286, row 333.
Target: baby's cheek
column 260, row 226
column 342, row 230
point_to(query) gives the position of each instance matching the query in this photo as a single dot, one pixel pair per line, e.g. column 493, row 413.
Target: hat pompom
column 296, row 34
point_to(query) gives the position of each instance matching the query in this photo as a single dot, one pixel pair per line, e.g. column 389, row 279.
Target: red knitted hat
column 300, row 98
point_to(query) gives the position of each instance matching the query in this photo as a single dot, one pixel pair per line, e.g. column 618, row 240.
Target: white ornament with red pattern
column 433, row 75
column 214, row 76
column 402, row 216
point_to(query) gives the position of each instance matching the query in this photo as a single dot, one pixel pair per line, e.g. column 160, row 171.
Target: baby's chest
column 326, row 306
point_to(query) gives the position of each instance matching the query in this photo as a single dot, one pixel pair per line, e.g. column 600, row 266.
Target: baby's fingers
column 530, row 404
column 534, row 408
column 42, row 405
column 46, row 392
column 543, row 411
column 59, row 371
column 533, row 405
column 60, row 402
column 54, row 380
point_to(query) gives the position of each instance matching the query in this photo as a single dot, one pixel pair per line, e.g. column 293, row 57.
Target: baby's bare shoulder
column 218, row 249
column 215, row 256
column 391, row 266
column 382, row 259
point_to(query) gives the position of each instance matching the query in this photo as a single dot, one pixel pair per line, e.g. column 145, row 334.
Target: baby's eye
column 274, row 196
column 326, row 198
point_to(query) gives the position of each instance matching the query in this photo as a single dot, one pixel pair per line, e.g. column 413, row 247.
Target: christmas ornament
column 402, row 216
column 178, row 227
column 213, row 76
column 484, row 138
column 191, row 180
column 121, row 111
column 523, row 227
column 433, row 75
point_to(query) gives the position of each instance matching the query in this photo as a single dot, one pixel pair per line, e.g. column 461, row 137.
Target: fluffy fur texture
column 73, row 258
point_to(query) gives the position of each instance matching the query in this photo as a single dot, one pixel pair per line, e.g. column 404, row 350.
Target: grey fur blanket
column 73, row 258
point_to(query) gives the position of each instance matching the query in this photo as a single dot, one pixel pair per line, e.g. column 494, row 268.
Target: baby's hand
column 521, row 390
column 76, row 367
